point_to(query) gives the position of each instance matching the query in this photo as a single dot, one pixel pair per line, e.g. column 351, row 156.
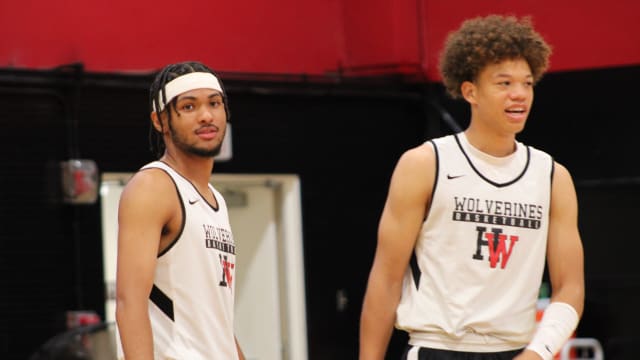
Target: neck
column 197, row 169
column 491, row 143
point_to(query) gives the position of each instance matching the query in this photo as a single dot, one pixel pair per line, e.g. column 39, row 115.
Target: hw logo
column 496, row 241
column 227, row 273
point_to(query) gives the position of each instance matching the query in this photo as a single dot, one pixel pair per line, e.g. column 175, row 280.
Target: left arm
column 240, row 354
column 565, row 258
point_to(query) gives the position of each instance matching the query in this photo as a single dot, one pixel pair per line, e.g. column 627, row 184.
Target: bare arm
column 142, row 214
column 240, row 353
column 402, row 217
column 565, row 257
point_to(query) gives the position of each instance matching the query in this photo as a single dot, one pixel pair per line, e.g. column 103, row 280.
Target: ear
column 468, row 91
column 156, row 122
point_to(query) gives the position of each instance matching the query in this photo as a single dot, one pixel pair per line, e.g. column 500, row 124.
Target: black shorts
column 437, row 354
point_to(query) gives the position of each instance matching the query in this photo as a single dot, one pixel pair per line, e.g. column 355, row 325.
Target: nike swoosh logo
column 191, row 202
column 453, row 176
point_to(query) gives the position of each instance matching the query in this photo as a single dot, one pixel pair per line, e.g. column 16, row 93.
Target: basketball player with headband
column 175, row 281
column 470, row 219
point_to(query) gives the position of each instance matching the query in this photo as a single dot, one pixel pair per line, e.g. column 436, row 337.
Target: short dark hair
column 157, row 88
column 488, row 40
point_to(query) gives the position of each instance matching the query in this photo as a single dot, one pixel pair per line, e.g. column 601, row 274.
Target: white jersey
column 191, row 304
column 474, row 277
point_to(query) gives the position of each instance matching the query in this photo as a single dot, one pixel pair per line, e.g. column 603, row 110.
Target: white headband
column 188, row 82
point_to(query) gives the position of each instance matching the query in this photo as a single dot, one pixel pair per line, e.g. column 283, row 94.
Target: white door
column 257, row 317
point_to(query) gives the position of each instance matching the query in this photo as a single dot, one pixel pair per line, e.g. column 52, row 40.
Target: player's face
column 502, row 96
column 199, row 122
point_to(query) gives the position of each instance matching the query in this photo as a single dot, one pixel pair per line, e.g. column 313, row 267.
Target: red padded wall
column 297, row 37
column 584, row 34
column 381, row 36
column 278, row 36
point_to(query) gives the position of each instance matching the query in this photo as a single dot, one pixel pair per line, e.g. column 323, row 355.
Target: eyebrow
column 503, row 75
column 191, row 97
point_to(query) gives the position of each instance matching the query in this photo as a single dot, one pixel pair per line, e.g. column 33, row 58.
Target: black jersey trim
column 552, row 172
column 162, row 301
column 182, row 209
column 435, row 179
column 415, row 269
column 496, row 184
column 413, row 261
column 214, row 208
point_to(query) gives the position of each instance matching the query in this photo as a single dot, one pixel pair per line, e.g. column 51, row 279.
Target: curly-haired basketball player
column 176, row 253
column 470, row 219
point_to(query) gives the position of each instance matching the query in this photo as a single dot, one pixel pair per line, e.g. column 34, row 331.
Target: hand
column 528, row 355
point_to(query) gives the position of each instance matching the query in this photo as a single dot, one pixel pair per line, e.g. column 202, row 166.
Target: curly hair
column 161, row 79
column 488, row 40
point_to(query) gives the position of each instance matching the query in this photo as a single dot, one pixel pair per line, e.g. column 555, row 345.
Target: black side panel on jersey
column 415, row 269
column 162, row 301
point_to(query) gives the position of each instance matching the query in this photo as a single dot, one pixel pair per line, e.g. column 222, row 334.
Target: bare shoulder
column 148, row 188
column 417, row 159
column 561, row 170
column 563, row 192
column 414, row 174
column 562, row 179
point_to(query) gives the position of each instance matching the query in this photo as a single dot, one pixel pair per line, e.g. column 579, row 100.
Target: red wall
column 281, row 36
column 584, row 33
column 297, row 37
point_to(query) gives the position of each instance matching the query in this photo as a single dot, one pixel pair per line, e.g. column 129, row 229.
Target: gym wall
column 333, row 91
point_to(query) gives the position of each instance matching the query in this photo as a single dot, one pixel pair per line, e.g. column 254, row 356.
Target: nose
column 520, row 92
column 206, row 115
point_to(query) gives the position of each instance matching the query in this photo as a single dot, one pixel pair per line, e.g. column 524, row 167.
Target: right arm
column 142, row 215
column 404, row 211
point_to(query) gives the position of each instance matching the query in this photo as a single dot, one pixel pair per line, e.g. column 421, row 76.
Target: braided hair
column 157, row 93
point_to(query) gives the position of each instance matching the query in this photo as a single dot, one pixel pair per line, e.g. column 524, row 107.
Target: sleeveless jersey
column 474, row 277
column 191, row 304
